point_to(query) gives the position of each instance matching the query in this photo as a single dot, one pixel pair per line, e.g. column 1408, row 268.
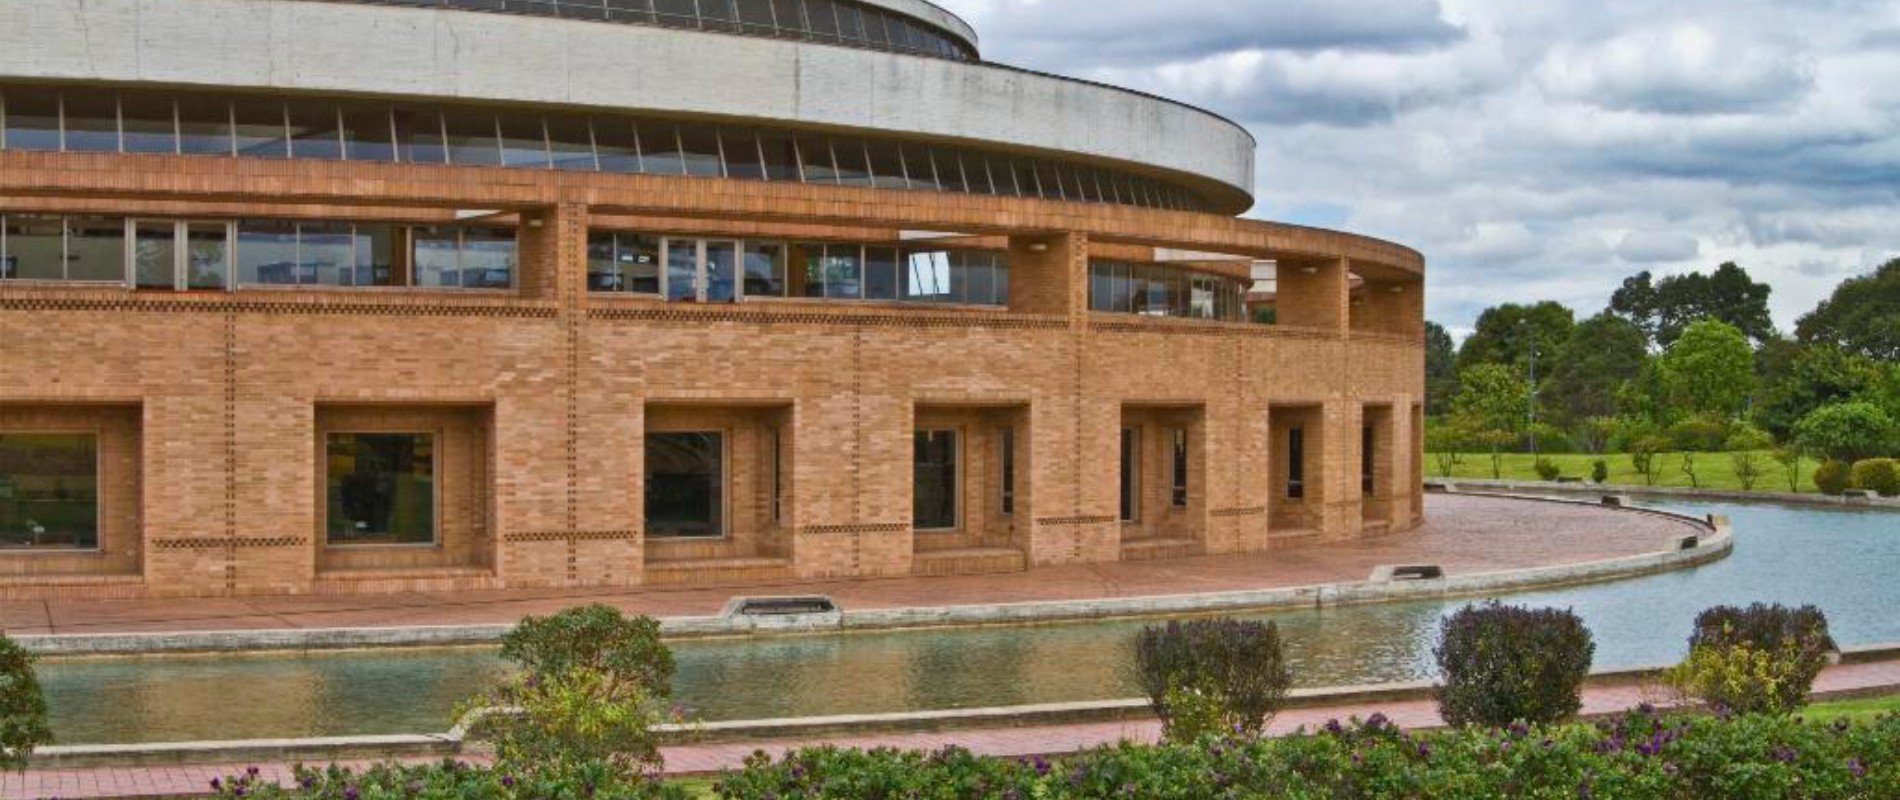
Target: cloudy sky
column 1532, row 149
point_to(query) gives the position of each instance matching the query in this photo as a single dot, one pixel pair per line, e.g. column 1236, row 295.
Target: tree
column 1492, row 397
column 1603, row 353
column 22, row 707
column 1797, row 379
column 1847, row 432
column 1505, row 335
column 1665, row 308
column 1862, row 316
column 1709, row 370
column 1441, row 369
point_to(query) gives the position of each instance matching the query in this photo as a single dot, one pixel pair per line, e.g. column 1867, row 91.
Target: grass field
column 1866, row 710
column 1713, row 470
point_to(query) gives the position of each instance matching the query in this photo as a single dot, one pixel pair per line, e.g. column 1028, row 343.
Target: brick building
column 321, row 296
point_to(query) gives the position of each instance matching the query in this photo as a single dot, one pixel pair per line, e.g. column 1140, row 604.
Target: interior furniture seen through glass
column 381, row 488
column 935, row 487
column 49, row 490
column 685, row 484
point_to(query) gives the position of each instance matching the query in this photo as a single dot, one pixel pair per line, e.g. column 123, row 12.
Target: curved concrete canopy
column 388, row 50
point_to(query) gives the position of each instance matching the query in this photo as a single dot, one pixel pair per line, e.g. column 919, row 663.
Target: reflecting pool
column 1842, row 560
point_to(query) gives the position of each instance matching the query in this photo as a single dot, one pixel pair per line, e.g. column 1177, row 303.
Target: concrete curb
column 1714, row 542
column 455, row 742
column 1487, row 486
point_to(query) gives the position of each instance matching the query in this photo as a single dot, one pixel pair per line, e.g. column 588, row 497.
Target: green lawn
column 1714, row 470
column 696, row 787
column 1866, row 710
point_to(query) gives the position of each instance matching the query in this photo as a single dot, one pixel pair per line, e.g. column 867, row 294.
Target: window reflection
column 380, row 488
column 1156, row 290
column 49, row 491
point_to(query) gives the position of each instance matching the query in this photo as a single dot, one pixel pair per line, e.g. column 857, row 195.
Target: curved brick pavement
column 1463, row 533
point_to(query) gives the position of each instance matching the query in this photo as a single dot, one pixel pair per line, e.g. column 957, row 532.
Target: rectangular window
column 844, row 272
column 207, row 255
column 375, row 248
column 49, row 491
column 32, row 118
column 880, row 273
column 572, row 143
column 617, row 145
column 677, row 13
column 419, row 135
column 717, row 15
column 756, row 16
column 267, row 254
column 381, row 488
column 791, row 18
column 917, row 165
column 887, row 166
column 261, row 130
column 523, row 142
column 149, row 122
column 92, row 122
column 935, row 481
column 822, row 16
column 814, row 157
column 1178, row 452
column 660, row 152
column 741, row 149
column 95, row 249
column 1296, row 463
column 469, row 258
column 699, row 151
column 33, row 248
column 204, row 125
column 315, row 131
column 853, row 170
column 781, row 157
column 1006, row 442
column 764, row 269
column 1368, row 439
column 368, row 132
column 326, row 251
column 927, row 276
column 623, row 262
column 155, row 255
column 1131, row 474
column 685, row 485
column 472, row 139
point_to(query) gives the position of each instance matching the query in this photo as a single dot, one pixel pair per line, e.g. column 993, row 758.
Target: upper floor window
column 1163, row 291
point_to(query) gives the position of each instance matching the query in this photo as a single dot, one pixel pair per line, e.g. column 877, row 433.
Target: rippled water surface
column 1841, row 560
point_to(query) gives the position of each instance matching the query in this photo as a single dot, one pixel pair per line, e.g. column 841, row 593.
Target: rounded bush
column 1762, row 659
column 22, row 706
column 1833, row 477
column 1504, row 664
column 1878, row 475
column 1233, row 665
column 1600, row 471
column 1548, row 470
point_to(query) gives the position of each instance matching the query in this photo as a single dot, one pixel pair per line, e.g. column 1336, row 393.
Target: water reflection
column 1837, row 559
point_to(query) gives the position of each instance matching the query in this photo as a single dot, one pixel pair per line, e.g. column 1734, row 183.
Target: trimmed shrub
column 596, row 637
column 1878, row 475
column 448, row 780
column 1762, row 659
column 1548, row 470
column 1503, row 664
column 1234, row 665
column 1833, row 477
column 1599, row 471
column 22, row 706
column 1637, row 756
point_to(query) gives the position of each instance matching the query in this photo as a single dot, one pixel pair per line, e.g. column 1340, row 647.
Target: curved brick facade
column 213, row 410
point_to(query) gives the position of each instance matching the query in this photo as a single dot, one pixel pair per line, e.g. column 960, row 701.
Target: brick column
column 1339, row 511
column 1049, row 275
column 1315, row 294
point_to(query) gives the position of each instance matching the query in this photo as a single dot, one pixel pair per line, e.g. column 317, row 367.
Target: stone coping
column 456, row 742
column 1713, row 542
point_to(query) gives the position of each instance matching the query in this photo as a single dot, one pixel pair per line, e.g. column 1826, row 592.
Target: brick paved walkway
column 155, row 782
column 1465, row 534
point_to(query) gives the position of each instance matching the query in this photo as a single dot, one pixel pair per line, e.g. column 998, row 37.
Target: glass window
column 155, row 255
column 814, row 154
column 419, row 134
column 1368, row 441
column 979, row 278
column 982, row 179
column 32, row 248
column 849, row 27
column 488, row 258
column 92, row 121
column 204, row 125
column 1006, row 443
column 32, row 118
column 1101, row 283
column 718, row 15
column 764, row 269
column 630, row 10
column 368, row 134
column 887, row 166
column 603, row 268
column 49, row 491
column 437, row 256
column 95, row 249
column 1130, row 474
column 267, row 253
column 699, row 151
column 315, row 131
column 660, row 152
column 1050, row 181
column 260, row 130
column 1178, row 451
column 677, row 13
column 927, row 276
column 874, row 22
column 640, row 263
column 149, row 123
column 880, row 273
column 756, row 16
column 949, row 173
column 791, row 17
column 844, row 272
column 381, row 488
column 814, row 255
column 721, row 271
column 1296, row 463
column 523, row 142
column 572, row 143
column 741, row 150
column 375, row 249
column 685, row 485
column 326, row 251
column 934, row 494
column 207, row 255
column 617, row 144
column 472, row 138
column 682, row 269
column 852, row 167
column 781, row 156
column 823, row 18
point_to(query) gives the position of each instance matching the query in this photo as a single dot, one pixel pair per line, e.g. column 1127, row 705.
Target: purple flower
column 507, row 780
column 1855, row 768
column 1333, row 726
column 216, row 784
column 251, row 771
column 1424, row 749
column 349, row 793
column 1783, row 754
column 1519, row 729
column 1376, row 721
column 1646, row 710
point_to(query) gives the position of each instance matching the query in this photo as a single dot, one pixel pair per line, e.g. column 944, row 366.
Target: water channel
column 1841, row 560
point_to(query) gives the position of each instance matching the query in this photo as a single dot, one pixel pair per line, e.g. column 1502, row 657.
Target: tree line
column 1682, row 364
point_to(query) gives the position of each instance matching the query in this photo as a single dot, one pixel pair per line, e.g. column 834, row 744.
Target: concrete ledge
column 1713, row 542
column 1484, row 486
